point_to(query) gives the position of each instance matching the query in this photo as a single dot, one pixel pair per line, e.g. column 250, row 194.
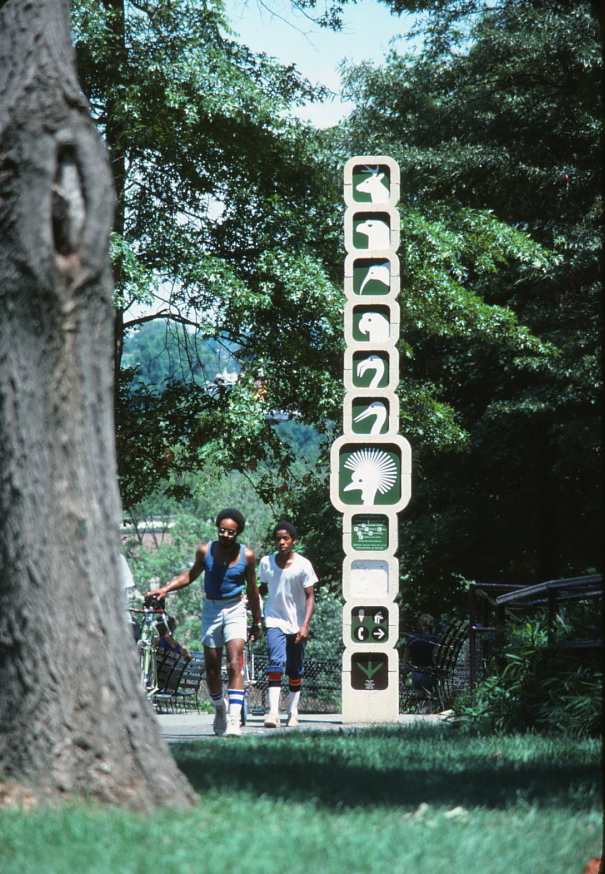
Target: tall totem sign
column 371, row 463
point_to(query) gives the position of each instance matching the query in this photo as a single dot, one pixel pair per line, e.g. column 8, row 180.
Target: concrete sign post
column 371, row 463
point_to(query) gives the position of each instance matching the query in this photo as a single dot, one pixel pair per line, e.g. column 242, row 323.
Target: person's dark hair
column 426, row 622
column 286, row 526
column 237, row 517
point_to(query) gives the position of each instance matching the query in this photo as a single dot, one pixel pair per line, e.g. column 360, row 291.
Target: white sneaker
column 272, row 720
column 220, row 720
column 233, row 728
column 292, row 720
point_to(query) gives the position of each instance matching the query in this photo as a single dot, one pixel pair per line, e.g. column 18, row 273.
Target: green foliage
column 215, row 183
column 230, row 212
column 495, row 127
column 536, row 688
column 325, row 639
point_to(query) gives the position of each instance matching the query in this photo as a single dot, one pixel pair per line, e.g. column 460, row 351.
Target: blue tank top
column 222, row 582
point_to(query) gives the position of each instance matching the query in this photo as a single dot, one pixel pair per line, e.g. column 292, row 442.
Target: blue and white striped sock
column 236, row 701
column 217, row 700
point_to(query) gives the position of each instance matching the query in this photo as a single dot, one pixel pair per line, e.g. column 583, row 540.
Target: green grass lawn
column 413, row 800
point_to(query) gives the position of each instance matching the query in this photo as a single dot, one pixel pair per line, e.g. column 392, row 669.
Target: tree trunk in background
column 73, row 720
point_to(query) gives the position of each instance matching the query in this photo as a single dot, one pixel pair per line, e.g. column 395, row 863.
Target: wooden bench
column 444, row 671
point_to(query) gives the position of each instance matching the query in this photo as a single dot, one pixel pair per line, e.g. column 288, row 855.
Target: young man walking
column 229, row 569
column 288, row 579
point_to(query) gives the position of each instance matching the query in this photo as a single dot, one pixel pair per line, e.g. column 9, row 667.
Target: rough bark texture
column 73, row 720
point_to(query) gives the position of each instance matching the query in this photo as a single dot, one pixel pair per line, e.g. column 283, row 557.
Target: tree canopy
column 501, row 114
column 225, row 214
column 231, row 214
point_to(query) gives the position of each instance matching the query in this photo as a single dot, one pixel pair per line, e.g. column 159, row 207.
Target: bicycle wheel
column 149, row 671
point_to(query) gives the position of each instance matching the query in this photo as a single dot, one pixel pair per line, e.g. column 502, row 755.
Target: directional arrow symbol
column 379, row 633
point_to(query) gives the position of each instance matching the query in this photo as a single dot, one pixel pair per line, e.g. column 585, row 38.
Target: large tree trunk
column 72, row 717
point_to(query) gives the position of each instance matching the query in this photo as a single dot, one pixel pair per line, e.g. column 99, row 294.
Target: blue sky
column 275, row 28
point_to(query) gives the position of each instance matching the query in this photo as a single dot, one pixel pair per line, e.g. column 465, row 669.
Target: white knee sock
column 274, row 693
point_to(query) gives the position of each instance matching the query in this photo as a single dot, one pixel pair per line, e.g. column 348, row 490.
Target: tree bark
column 73, row 720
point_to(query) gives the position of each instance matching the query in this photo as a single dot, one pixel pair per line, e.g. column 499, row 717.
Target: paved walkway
column 181, row 727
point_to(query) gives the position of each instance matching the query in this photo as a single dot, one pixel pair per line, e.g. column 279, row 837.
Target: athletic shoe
column 292, row 720
column 272, row 720
column 220, row 720
column 233, row 728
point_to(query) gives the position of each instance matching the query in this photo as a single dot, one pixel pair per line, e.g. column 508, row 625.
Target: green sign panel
column 371, row 276
column 372, row 230
column 370, row 474
column 372, row 324
column 371, row 369
column 370, row 533
column 370, row 415
column 369, row 624
column 371, row 183
column 369, row 671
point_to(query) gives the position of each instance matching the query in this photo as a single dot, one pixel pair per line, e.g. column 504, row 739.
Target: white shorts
column 223, row 621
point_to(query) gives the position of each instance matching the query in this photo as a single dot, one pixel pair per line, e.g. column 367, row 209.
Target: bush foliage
column 535, row 687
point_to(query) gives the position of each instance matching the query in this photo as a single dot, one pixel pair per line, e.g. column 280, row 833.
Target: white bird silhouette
column 377, row 409
column 377, row 232
column 376, row 326
column 375, row 363
column 372, row 471
column 379, row 272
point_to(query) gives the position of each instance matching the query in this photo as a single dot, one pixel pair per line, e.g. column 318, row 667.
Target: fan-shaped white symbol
column 372, row 471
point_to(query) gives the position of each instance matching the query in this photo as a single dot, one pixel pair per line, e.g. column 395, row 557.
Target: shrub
column 533, row 687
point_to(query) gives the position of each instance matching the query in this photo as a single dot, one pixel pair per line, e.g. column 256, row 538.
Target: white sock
column 274, row 693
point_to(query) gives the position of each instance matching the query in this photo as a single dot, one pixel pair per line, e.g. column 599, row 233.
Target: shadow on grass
column 398, row 767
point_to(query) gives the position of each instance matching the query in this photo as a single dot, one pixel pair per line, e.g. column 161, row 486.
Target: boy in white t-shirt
column 288, row 578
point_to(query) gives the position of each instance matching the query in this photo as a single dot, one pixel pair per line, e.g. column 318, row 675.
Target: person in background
column 288, row 579
column 419, row 653
column 166, row 639
column 229, row 579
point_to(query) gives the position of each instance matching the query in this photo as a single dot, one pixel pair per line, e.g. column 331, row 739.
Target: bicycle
column 250, row 679
column 152, row 610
